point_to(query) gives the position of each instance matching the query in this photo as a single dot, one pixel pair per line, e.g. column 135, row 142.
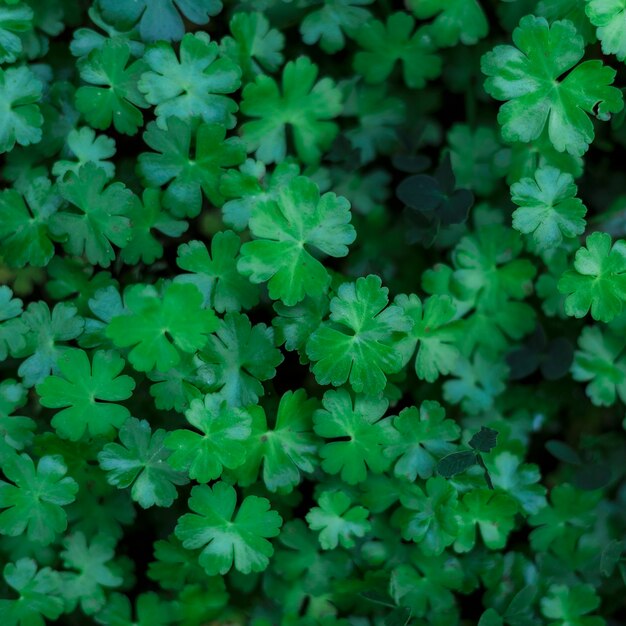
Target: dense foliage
column 312, row 312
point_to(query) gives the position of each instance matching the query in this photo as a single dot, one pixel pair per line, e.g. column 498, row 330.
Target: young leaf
column 111, row 96
column 358, row 342
column 223, row 428
column 101, row 218
column 429, row 519
column 37, row 591
column 24, row 224
column 287, row 450
column 598, row 280
column 188, row 173
column 337, row 522
column 215, row 274
column 571, row 605
column 193, row 85
column 254, row 46
column 435, row 333
column 238, row 357
column 142, row 461
column 94, row 572
column 20, row 118
column 45, row 329
column 305, row 105
column 424, row 436
column 34, row 499
column 327, row 24
column 540, row 78
column 157, row 327
column 286, row 230
column 455, row 20
column 359, row 435
column 549, row 209
column 160, row 19
column 86, row 392
column 385, row 44
column 608, row 16
column 225, row 540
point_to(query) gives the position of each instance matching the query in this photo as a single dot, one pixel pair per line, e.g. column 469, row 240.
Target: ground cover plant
column 312, row 312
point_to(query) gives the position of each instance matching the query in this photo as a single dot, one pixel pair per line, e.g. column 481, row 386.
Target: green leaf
column 204, row 456
column 531, row 78
column 563, row 452
column 570, row 606
column 598, row 280
column 158, row 326
column 86, row 147
column 358, row 342
column 455, row 20
column 238, row 358
column 225, row 540
column 286, row 231
column 487, row 270
column 424, row 436
column 12, row 329
column 294, row 325
column 600, row 362
column 569, row 513
column 608, row 16
column 86, row 392
column 359, row 435
column 175, row 567
column 477, row 383
column 215, row 274
column 429, row 519
column 34, row 499
column 14, row 20
column 193, row 85
column 142, row 461
column 328, row 24
column 490, row 618
column 456, row 463
column 484, row 440
column 611, row 555
column 76, row 280
column 479, row 159
column 24, row 230
column 549, row 209
column 178, row 386
column 147, row 216
column 425, row 585
column 435, row 333
column 15, row 430
column 150, row 610
column 160, row 19
column 21, row 118
column 304, row 104
column 44, row 330
column 375, row 132
column 254, row 46
column 385, row 44
column 517, row 479
column 492, row 513
column 337, row 522
column 286, row 450
column 188, row 172
column 111, row 96
column 94, row 571
column 37, row 591
column 100, row 215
